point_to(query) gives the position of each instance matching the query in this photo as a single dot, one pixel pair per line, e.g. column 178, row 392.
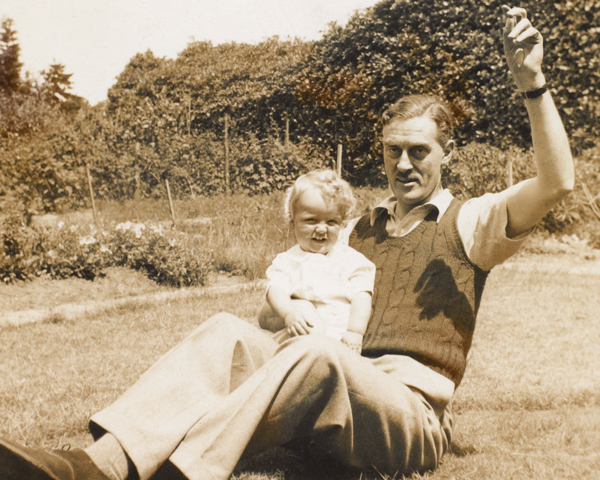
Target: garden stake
column 89, row 179
column 170, row 202
column 287, row 132
column 339, row 160
column 226, row 128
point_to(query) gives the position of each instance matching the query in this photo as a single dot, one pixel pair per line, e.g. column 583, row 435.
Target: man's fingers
column 519, row 57
column 514, row 11
column 519, row 28
column 514, row 16
column 530, row 33
column 509, row 24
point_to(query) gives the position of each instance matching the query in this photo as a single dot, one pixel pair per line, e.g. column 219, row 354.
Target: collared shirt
column 481, row 225
column 328, row 281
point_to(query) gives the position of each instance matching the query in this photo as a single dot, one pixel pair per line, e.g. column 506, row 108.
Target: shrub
column 477, row 169
column 29, row 252
column 262, row 167
column 454, row 49
column 167, row 257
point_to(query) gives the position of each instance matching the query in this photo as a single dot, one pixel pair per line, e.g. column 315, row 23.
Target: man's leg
column 316, row 387
column 153, row 416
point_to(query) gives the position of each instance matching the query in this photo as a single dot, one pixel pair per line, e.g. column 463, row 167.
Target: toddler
column 336, row 279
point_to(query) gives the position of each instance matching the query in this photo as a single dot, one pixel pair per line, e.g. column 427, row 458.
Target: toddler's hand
column 353, row 341
column 296, row 324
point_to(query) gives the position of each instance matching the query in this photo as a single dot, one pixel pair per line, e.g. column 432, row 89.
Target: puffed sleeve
column 361, row 273
column 279, row 273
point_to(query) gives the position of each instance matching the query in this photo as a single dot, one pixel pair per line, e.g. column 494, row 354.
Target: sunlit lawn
column 529, row 406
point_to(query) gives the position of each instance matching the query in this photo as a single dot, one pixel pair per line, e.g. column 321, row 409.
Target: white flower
column 123, row 226
column 87, row 240
column 136, row 227
column 157, row 229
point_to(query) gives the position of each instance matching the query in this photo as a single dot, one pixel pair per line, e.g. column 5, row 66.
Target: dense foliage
column 41, row 149
column 479, row 168
column 285, row 105
column 170, row 114
column 454, row 49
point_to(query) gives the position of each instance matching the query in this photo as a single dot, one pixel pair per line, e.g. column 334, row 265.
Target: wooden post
column 287, row 132
column 227, row 152
column 189, row 113
column 170, row 202
column 509, row 179
column 138, row 189
column 89, row 179
column 339, row 160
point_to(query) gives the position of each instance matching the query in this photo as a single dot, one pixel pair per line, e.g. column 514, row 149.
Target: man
column 228, row 389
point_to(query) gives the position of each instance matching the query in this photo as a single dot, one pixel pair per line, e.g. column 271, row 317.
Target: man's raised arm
column 529, row 201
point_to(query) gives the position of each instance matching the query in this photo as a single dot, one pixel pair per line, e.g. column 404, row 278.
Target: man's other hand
column 523, row 48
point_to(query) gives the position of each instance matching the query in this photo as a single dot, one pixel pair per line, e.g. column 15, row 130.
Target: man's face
column 413, row 160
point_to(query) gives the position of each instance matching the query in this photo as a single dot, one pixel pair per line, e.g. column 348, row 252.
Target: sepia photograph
column 299, row 240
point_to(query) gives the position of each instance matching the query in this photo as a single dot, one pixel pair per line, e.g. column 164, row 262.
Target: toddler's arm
column 360, row 312
column 298, row 318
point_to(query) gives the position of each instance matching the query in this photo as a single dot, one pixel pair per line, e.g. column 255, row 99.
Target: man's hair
column 334, row 190
column 431, row 106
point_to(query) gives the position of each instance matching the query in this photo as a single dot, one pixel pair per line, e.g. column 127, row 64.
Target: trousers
column 229, row 389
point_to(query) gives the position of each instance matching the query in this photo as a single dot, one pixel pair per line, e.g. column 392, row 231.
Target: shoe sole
column 17, row 464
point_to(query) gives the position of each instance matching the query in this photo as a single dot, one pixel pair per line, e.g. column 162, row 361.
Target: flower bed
column 166, row 256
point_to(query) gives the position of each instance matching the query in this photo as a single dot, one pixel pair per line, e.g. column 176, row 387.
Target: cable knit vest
column 427, row 292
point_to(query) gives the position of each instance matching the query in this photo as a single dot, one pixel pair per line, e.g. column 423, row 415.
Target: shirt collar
column 440, row 202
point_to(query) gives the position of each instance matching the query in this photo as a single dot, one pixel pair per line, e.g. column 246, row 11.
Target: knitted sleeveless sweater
column 427, row 292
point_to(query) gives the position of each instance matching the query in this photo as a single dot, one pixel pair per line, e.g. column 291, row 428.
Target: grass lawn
column 529, row 406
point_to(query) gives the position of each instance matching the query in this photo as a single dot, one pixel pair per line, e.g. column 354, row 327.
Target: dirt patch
column 44, row 299
column 44, row 292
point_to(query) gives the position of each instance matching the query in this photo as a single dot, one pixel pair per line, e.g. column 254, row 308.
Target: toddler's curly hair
column 333, row 189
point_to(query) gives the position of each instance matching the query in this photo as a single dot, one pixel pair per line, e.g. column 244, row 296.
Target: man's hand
column 523, row 48
column 527, row 202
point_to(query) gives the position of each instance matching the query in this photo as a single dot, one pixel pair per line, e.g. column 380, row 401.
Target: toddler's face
column 316, row 224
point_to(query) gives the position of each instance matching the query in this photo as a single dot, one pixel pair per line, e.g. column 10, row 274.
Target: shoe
column 23, row 463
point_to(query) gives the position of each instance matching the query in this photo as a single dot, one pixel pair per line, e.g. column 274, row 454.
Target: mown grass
column 529, row 406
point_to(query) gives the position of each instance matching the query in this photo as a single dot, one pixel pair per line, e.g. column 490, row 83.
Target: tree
column 56, row 83
column 452, row 48
column 10, row 67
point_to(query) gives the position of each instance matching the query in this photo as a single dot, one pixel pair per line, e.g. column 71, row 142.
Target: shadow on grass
column 461, row 450
column 293, row 464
